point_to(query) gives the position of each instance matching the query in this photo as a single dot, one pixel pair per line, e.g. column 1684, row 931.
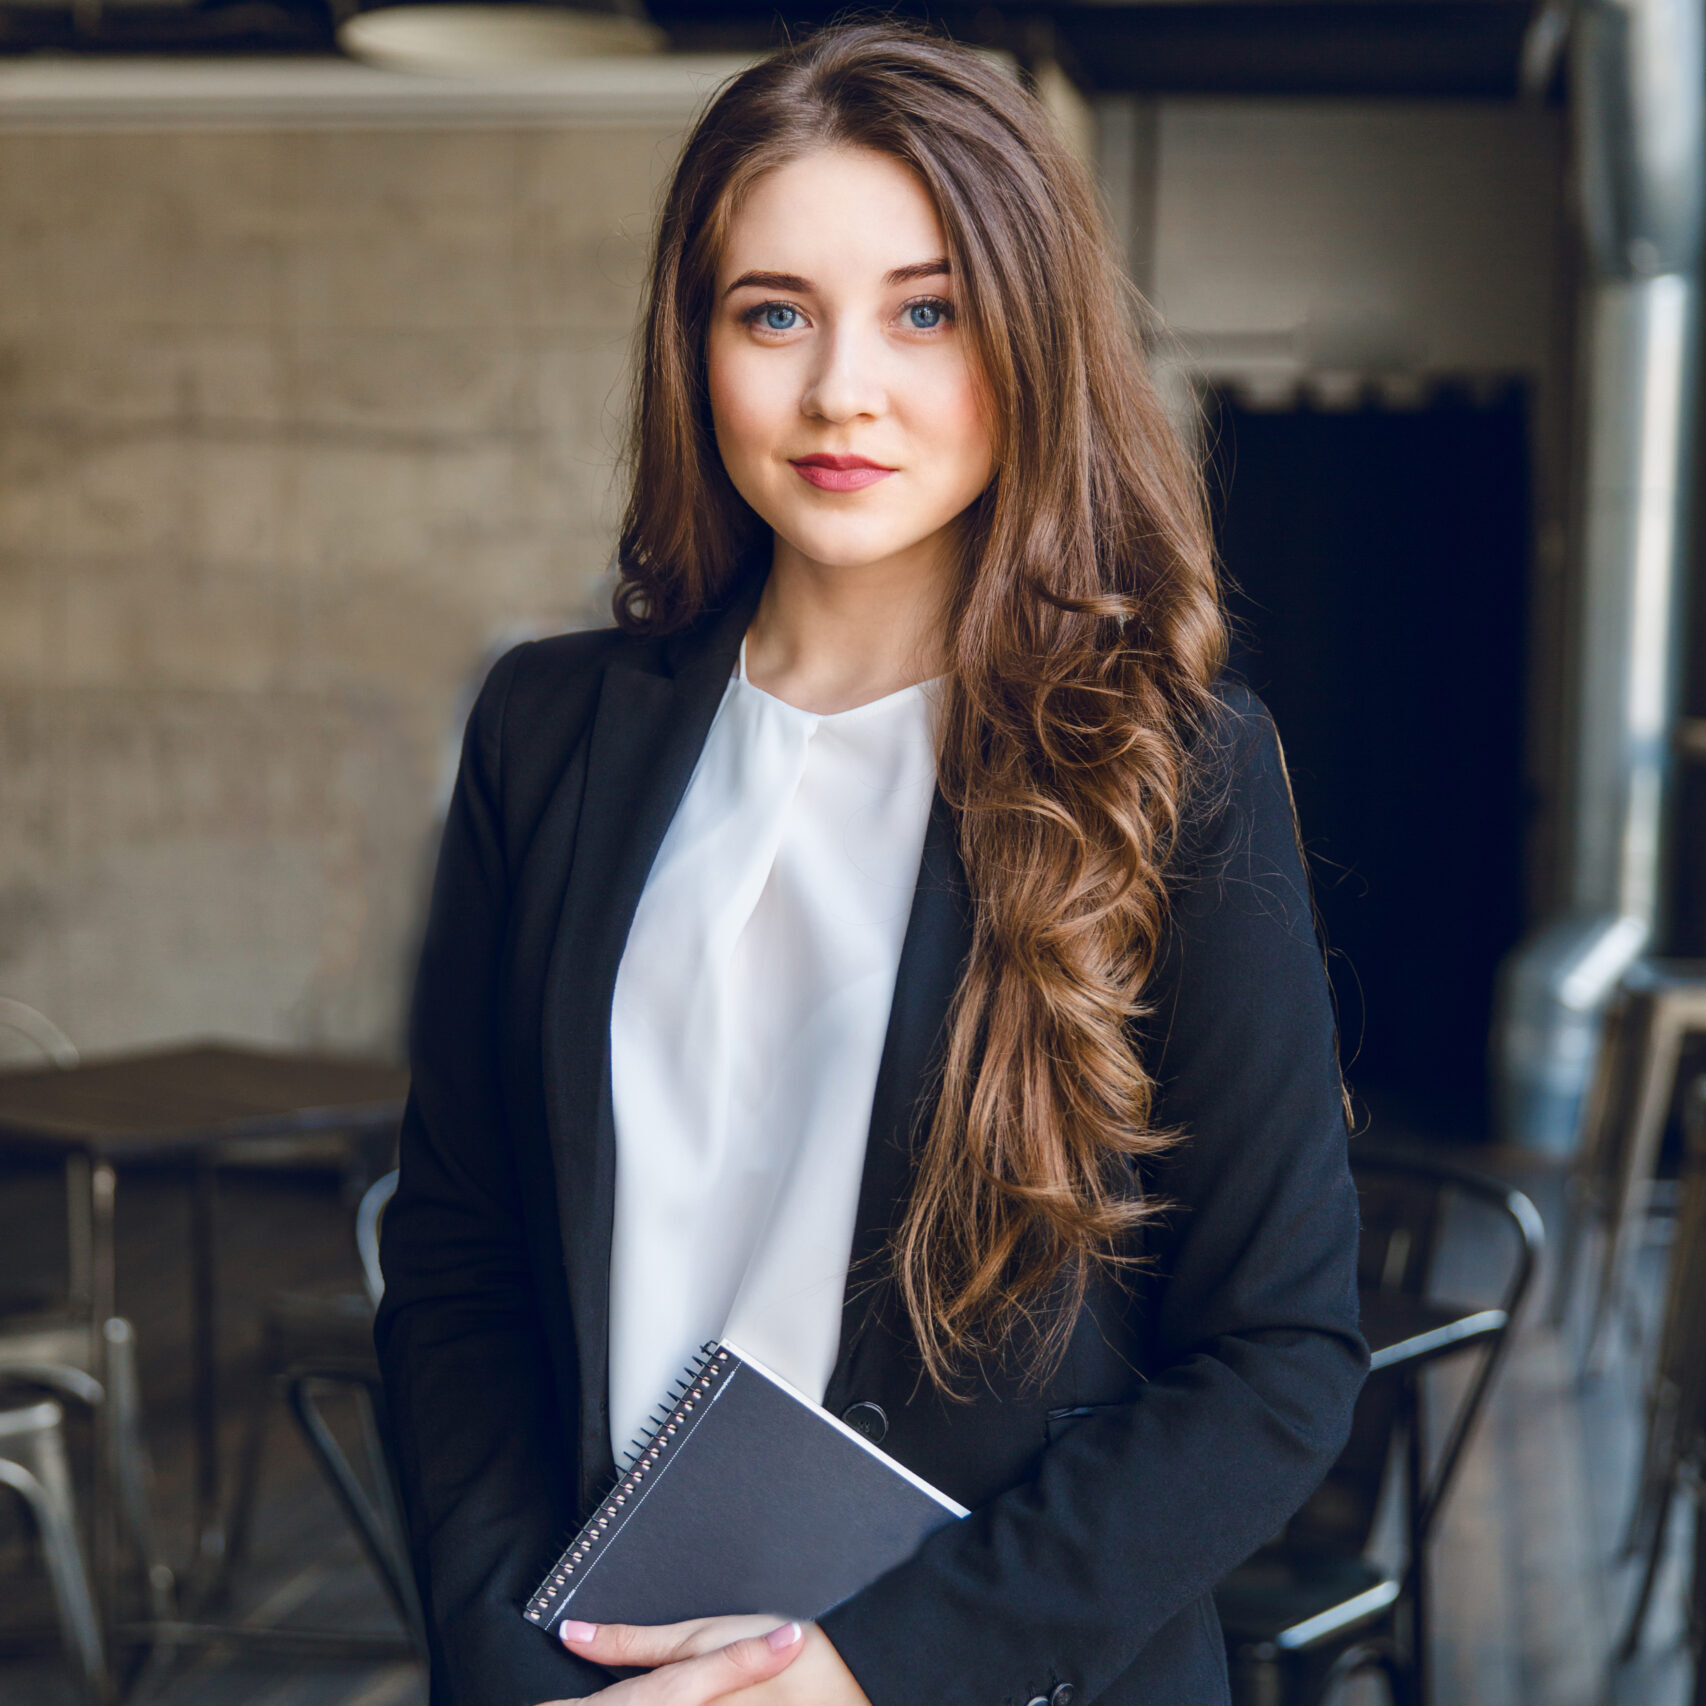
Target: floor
column 1529, row 1592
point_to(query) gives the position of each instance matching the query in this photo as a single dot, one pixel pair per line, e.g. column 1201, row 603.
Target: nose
column 846, row 381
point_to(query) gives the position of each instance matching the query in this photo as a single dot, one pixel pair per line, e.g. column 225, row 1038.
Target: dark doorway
column 1379, row 561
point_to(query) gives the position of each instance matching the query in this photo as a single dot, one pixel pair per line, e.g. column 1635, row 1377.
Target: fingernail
column 570, row 1630
column 786, row 1636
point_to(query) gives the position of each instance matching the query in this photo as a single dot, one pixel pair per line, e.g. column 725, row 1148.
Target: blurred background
column 315, row 332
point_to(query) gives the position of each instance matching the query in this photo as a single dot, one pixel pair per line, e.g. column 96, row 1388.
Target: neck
column 827, row 638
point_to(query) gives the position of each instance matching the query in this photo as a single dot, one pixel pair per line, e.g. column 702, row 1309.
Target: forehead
column 835, row 215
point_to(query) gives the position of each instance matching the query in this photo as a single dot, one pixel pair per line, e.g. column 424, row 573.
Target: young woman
column 888, row 946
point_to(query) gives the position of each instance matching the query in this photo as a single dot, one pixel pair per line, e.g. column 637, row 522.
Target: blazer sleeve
column 482, row 1455
column 1139, row 1510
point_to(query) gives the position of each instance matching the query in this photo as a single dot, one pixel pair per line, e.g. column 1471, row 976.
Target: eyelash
column 753, row 315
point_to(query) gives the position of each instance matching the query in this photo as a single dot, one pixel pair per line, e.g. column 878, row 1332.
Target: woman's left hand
column 816, row 1678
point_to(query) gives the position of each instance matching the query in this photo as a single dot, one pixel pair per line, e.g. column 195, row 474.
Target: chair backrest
column 44, row 1040
column 43, row 1036
column 1653, row 996
column 1409, row 1200
column 367, row 1222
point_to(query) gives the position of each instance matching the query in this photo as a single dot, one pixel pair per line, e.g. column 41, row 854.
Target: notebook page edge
column 953, row 1506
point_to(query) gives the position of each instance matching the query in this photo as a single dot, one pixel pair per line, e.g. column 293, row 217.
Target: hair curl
column 1085, row 633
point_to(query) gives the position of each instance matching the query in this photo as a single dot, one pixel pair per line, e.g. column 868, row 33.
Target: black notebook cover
column 747, row 1497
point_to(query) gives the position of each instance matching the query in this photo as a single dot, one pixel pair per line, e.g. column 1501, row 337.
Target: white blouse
column 746, row 1031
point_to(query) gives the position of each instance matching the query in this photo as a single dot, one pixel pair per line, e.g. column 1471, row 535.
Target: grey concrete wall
column 293, row 425
column 1417, row 237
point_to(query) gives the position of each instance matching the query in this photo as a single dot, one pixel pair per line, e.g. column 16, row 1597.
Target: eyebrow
column 938, row 268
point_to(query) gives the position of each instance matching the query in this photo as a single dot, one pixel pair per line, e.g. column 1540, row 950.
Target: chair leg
column 1256, row 1676
column 1660, row 1043
column 1656, row 1479
column 249, row 1472
column 1390, row 1669
column 1697, row 1606
column 1413, row 1607
column 1657, row 1533
column 132, row 1470
column 358, row 1507
column 1564, row 1275
column 1365, row 1656
column 44, row 1484
column 374, row 1427
column 1592, row 1178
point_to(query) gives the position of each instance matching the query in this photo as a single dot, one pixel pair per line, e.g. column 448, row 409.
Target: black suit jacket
column 1198, row 1404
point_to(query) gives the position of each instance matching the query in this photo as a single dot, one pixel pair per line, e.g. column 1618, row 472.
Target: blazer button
column 872, row 1421
column 1038, row 1700
column 1063, row 1696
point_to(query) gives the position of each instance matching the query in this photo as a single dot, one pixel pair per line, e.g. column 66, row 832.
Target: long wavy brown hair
column 1084, row 636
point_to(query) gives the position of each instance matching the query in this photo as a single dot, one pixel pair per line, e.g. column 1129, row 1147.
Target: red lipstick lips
column 840, row 473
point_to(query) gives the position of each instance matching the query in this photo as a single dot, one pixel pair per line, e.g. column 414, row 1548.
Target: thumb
column 739, row 1665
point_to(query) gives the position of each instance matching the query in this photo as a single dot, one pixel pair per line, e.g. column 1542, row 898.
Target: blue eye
column 927, row 316
column 779, row 317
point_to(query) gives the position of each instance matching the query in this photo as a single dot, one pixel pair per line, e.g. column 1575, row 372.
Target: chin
column 850, row 547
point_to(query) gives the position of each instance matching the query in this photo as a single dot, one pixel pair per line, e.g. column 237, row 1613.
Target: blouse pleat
column 746, row 1031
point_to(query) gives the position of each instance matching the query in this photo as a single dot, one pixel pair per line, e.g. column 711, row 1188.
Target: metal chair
column 1656, row 1008
column 38, row 1031
column 57, row 1344
column 1673, row 1458
column 44, row 1042
column 1315, row 1607
column 32, row 1464
column 316, row 1345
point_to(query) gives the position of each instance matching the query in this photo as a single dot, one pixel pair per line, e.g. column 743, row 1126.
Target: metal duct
column 1638, row 72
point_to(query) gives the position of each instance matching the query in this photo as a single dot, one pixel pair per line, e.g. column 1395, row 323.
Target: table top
column 181, row 1100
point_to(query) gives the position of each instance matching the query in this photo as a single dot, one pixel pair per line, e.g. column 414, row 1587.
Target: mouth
column 839, row 473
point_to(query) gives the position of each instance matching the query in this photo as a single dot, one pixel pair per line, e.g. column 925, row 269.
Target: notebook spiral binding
column 671, row 1422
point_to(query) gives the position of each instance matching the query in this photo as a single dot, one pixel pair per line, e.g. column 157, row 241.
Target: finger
column 741, row 1664
column 632, row 1646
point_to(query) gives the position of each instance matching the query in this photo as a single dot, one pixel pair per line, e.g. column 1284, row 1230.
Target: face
column 845, row 403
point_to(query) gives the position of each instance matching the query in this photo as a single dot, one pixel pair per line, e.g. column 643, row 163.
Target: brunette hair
column 1084, row 637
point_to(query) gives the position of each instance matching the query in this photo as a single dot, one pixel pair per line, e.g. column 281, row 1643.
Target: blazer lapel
column 932, row 956
column 646, row 736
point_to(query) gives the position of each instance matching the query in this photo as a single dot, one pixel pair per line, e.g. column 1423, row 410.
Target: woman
column 888, row 946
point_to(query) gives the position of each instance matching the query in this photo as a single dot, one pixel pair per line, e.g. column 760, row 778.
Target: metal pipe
column 1638, row 87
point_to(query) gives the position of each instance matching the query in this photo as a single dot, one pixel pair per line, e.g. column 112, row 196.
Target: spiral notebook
column 745, row 1497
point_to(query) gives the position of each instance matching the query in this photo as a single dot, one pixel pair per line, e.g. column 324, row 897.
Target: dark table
column 194, row 1105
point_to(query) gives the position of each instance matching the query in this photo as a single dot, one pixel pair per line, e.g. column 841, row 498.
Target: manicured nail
column 786, row 1636
column 570, row 1630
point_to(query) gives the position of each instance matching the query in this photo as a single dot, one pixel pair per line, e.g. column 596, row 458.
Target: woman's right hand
column 709, row 1676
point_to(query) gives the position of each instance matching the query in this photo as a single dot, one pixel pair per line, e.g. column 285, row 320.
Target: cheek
column 956, row 418
column 748, row 404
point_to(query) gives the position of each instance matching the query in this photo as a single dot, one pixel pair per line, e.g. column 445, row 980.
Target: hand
column 814, row 1676
column 710, row 1672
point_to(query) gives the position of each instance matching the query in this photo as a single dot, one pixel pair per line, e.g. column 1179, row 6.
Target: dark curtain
column 1379, row 561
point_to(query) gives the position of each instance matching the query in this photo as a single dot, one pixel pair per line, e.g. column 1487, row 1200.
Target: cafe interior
column 316, row 325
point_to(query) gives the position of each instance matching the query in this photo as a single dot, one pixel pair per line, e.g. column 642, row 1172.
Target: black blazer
column 1197, row 1405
